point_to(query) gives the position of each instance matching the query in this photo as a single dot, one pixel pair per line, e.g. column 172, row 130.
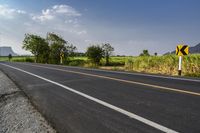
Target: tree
column 70, row 50
column 38, row 46
column 10, row 57
column 59, row 46
column 95, row 53
column 145, row 53
column 107, row 51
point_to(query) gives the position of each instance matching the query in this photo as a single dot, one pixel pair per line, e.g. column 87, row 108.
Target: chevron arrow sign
column 182, row 50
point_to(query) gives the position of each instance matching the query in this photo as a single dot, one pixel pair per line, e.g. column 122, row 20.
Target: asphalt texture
column 69, row 112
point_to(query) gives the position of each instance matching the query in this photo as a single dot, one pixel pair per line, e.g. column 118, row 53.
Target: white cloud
column 61, row 19
column 21, row 12
column 82, row 32
column 65, row 9
column 57, row 11
column 7, row 12
column 43, row 17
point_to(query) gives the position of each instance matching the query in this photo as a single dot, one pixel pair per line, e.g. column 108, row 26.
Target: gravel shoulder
column 17, row 115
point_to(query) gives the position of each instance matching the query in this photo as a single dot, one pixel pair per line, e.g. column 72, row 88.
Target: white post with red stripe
column 179, row 65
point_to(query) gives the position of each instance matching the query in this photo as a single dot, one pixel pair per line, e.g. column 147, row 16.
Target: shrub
column 76, row 63
column 28, row 59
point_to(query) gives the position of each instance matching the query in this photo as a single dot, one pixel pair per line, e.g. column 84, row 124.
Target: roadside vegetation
column 167, row 64
column 18, row 58
column 55, row 50
column 49, row 49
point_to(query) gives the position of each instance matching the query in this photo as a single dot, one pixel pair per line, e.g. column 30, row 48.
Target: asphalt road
column 78, row 100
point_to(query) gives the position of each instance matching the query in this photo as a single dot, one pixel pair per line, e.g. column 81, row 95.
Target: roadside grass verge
column 167, row 64
column 18, row 59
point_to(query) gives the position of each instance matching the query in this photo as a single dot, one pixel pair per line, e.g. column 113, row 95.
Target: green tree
column 145, row 53
column 70, row 50
column 38, row 46
column 59, row 46
column 107, row 51
column 95, row 53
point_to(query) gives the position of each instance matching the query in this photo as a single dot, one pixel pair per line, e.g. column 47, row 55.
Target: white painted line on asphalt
column 120, row 110
column 120, row 80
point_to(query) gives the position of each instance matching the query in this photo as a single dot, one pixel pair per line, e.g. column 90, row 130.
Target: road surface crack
column 3, row 96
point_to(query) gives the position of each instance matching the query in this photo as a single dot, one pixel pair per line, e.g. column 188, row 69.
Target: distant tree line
column 49, row 49
column 145, row 52
column 52, row 48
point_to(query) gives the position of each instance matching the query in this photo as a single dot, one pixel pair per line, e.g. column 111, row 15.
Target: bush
column 76, row 63
column 95, row 54
column 29, row 59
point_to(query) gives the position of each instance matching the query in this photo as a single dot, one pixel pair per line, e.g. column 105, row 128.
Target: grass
column 167, row 64
column 114, row 61
column 3, row 58
column 18, row 59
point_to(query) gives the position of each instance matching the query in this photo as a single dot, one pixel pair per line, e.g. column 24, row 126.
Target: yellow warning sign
column 182, row 50
column 61, row 54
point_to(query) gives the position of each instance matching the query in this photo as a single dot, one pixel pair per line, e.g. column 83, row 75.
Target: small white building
column 5, row 51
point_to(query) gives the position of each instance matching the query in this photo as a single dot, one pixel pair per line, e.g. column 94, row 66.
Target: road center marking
column 129, row 73
column 122, row 80
column 120, row 110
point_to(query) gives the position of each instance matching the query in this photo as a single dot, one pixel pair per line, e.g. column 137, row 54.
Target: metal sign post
column 179, row 65
column 61, row 61
column 61, row 58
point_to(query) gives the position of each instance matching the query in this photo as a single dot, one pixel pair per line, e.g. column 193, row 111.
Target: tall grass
column 167, row 64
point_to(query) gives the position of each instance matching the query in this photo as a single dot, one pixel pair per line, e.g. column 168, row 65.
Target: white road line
column 116, row 79
column 120, row 72
column 120, row 110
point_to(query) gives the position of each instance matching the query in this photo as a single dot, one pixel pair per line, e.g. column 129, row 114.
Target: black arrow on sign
column 177, row 50
column 183, row 50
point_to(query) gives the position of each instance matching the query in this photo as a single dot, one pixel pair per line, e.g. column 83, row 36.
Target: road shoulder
column 17, row 113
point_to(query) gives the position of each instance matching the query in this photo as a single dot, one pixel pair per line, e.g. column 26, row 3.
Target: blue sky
column 129, row 25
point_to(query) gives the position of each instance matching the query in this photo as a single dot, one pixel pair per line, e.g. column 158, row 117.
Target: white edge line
column 122, row 80
column 129, row 114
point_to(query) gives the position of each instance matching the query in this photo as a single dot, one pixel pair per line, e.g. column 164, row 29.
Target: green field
column 167, row 64
column 114, row 60
column 19, row 59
